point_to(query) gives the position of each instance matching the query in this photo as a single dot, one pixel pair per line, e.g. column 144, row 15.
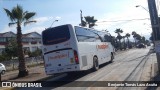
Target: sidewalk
column 155, row 75
column 35, row 74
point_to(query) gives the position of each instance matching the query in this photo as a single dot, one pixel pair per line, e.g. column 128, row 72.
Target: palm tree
column 119, row 37
column 143, row 39
column 124, row 42
column 139, row 38
column 134, row 36
column 19, row 17
column 90, row 21
column 128, row 35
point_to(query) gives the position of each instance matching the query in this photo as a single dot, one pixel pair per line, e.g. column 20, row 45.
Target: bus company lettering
column 58, row 56
column 104, row 46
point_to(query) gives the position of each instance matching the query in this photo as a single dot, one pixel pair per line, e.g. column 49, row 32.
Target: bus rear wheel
column 112, row 57
column 95, row 64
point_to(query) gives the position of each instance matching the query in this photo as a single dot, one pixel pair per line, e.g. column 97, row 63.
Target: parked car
column 141, row 45
column 148, row 44
column 2, row 69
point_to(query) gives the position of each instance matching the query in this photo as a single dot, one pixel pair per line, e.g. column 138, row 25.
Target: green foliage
column 2, row 58
column 11, row 48
column 35, row 53
column 119, row 31
column 127, row 35
column 119, row 37
column 90, row 21
column 18, row 16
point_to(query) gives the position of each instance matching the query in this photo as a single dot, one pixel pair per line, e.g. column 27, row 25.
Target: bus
column 69, row 48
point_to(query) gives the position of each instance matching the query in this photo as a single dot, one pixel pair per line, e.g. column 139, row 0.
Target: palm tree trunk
column 128, row 42
column 120, row 44
column 22, row 66
column 135, row 42
column 124, row 43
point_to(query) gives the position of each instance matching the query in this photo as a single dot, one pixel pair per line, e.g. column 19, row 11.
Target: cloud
column 58, row 18
column 42, row 20
column 35, row 29
column 7, row 29
column 128, row 13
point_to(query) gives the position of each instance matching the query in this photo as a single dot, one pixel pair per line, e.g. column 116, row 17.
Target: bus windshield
column 56, row 35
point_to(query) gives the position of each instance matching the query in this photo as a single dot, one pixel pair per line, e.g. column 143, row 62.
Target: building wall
column 30, row 41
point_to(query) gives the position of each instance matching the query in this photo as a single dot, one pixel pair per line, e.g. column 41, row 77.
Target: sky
column 109, row 13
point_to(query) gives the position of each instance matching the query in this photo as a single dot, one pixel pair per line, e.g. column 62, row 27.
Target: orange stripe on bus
column 104, row 46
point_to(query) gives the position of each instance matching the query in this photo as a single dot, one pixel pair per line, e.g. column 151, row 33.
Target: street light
column 53, row 22
column 148, row 12
column 142, row 7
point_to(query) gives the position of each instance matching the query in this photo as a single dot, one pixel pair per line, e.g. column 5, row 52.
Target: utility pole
column 81, row 17
column 155, row 28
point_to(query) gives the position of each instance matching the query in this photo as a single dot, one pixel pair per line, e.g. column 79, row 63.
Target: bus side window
column 85, row 35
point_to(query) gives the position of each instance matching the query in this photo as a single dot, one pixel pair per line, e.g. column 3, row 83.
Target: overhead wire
column 123, row 20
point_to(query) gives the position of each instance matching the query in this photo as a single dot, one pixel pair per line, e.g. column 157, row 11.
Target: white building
column 31, row 41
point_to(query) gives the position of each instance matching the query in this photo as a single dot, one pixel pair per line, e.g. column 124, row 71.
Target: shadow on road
column 70, row 79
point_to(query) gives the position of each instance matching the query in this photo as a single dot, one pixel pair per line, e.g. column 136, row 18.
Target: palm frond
column 28, row 22
column 11, row 24
column 9, row 14
column 29, row 15
column 24, row 14
column 18, row 13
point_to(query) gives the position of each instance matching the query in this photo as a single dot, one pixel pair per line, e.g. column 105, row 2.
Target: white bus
column 70, row 48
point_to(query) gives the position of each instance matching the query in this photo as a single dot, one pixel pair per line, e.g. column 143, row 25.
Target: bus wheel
column 112, row 57
column 95, row 64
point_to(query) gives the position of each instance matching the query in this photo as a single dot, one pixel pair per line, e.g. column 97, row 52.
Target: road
column 130, row 65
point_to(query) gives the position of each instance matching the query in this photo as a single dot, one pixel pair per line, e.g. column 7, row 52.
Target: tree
column 37, row 52
column 134, row 36
column 143, row 39
column 11, row 49
column 124, row 42
column 151, row 38
column 119, row 37
column 139, row 38
column 19, row 17
column 113, row 41
column 127, row 35
column 90, row 21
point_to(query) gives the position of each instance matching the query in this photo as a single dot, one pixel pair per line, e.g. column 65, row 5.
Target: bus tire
column 95, row 63
column 112, row 57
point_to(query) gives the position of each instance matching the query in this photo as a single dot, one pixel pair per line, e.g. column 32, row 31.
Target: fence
column 30, row 61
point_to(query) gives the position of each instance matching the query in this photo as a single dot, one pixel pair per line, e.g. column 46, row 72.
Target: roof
column 29, row 35
column 32, row 35
column 8, row 34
